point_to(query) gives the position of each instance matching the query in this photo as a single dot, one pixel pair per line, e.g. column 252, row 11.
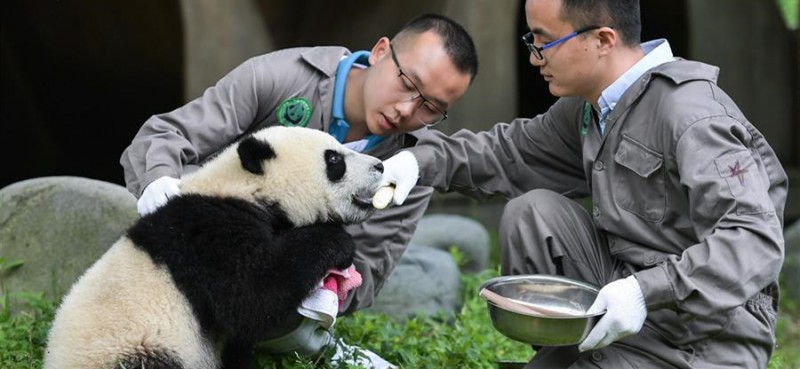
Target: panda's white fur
column 299, row 184
column 122, row 304
column 251, row 233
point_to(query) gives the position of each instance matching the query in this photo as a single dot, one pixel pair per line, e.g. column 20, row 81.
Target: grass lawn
column 467, row 341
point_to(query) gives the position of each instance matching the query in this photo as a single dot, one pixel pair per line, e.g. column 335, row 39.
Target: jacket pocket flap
column 637, row 157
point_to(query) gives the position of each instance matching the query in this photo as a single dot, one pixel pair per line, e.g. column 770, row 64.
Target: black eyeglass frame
column 423, row 99
column 527, row 39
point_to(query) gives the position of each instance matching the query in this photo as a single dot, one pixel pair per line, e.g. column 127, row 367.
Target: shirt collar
column 656, row 52
column 339, row 126
column 359, row 57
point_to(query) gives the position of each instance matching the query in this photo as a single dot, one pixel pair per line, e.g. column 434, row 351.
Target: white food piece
column 383, row 197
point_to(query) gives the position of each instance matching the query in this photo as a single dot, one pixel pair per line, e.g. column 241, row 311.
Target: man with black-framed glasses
column 427, row 113
column 684, row 232
column 364, row 99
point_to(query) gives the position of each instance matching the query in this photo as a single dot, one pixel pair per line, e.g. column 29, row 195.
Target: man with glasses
column 684, row 232
column 375, row 102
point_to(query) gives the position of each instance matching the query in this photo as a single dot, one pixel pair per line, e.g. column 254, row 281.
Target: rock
column 441, row 231
column 425, row 281
column 58, row 226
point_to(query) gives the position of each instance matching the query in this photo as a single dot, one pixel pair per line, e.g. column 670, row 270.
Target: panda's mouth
column 362, row 200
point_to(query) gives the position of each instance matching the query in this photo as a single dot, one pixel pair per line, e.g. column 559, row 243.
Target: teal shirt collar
column 339, row 126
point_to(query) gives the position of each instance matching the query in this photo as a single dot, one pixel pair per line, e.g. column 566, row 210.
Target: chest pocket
column 640, row 182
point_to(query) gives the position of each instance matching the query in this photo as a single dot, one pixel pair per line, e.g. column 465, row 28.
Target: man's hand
column 625, row 313
column 156, row 194
column 401, row 170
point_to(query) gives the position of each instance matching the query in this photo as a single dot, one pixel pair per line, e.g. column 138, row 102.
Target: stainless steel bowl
column 561, row 319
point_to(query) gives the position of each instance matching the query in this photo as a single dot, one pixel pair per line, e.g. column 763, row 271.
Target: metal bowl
column 561, row 319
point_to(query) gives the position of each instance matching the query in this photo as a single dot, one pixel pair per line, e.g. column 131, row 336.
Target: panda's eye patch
column 335, row 165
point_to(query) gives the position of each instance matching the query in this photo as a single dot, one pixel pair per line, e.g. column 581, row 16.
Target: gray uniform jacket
column 686, row 190
column 246, row 99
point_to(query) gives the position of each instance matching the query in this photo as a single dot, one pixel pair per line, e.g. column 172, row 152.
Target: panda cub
column 198, row 282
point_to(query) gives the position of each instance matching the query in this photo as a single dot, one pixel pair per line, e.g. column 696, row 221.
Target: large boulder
column 58, row 226
column 443, row 231
column 424, row 282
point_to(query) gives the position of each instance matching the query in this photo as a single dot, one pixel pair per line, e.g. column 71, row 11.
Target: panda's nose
column 379, row 167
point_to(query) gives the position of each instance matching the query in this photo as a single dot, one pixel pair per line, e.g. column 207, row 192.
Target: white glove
column 401, row 170
column 156, row 194
column 625, row 313
column 358, row 357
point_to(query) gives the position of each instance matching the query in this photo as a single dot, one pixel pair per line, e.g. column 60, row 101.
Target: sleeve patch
column 744, row 179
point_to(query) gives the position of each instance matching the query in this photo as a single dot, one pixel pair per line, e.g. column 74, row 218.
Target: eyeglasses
column 426, row 112
column 537, row 51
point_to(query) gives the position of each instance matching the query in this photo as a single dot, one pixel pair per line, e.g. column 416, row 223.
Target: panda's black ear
column 252, row 152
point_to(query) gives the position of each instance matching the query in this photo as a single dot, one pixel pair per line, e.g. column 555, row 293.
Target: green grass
column 23, row 335
column 468, row 340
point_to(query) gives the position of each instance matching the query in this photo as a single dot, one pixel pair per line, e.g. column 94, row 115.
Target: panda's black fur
column 237, row 263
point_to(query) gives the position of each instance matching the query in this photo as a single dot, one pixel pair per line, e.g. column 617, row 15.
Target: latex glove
column 625, row 313
column 156, row 194
column 402, row 170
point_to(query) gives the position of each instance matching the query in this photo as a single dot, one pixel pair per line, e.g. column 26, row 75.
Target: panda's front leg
column 298, row 260
column 306, row 254
column 319, row 247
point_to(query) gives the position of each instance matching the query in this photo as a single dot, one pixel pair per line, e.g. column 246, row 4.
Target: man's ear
column 379, row 51
column 607, row 39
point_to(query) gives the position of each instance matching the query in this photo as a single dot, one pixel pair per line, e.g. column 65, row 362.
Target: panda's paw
column 345, row 259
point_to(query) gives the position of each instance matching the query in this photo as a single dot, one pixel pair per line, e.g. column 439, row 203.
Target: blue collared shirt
column 656, row 52
column 339, row 126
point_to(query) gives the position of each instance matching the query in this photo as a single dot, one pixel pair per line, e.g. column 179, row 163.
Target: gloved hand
column 401, row 170
column 625, row 313
column 156, row 194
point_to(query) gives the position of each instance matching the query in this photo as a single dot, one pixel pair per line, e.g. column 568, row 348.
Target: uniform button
column 596, row 212
column 598, row 165
column 597, row 356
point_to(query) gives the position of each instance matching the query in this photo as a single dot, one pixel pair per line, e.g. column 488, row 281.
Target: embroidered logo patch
column 737, row 172
column 294, row 112
column 746, row 185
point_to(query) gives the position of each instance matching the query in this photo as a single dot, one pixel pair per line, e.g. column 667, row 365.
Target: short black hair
column 456, row 40
column 623, row 15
